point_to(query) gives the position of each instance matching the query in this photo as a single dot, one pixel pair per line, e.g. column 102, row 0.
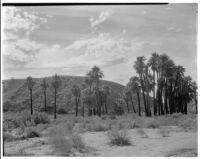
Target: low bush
column 31, row 132
column 61, row 144
column 63, row 140
column 164, row 132
column 119, row 137
column 7, row 137
column 142, row 133
column 78, row 142
column 151, row 123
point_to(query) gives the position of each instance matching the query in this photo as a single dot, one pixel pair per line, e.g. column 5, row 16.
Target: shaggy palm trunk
column 161, row 103
column 139, row 109
column 45, row 102
column 106, row 108
column 76, row 101
column 166, row 104
column 195, row 100
column 185, row 108
column 31, row 101
column 55, row 103
column 141, row 81
column 154, row 94
column 127, row 106
column 83, row 110
column 132, row 103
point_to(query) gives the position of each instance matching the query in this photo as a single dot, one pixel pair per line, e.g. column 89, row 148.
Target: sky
column 69, row 40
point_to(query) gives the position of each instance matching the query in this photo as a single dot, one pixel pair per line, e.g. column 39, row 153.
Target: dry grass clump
column 119, row 137
column 142, row 133
column 64, row 140
column 7, row 137
column 164, row 132
column 151, row 123
column 31, row 132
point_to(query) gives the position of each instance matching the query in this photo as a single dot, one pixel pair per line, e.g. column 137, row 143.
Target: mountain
column 16, row 94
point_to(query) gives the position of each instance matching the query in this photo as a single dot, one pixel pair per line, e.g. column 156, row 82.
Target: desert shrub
column 40, row 118
column 8, row 137
column 164, row 132
column 119, row 137
column 97, row 124
column 31, row 133
column 61, row 144
column 63, row 139
column 142, row 133
column 62, row 111
column 78, row 141
column 113, row 117
column 151, row 123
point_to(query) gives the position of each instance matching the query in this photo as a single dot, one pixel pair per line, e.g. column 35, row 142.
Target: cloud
column 15, row 20
column 17, row 27
column 174, row 29
column 103, row 16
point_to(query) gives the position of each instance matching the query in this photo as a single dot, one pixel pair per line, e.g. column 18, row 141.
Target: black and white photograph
column 99, row 80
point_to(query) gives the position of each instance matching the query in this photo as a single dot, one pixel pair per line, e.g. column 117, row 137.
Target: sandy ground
column 178, row 143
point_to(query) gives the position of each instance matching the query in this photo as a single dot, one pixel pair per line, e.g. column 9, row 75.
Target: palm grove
column 160, row 83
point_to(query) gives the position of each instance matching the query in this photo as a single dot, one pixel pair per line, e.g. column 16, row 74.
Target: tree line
column 171, row 90
column 89, row 94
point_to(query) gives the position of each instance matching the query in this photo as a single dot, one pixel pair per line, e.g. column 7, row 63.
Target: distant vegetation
column 171, row 89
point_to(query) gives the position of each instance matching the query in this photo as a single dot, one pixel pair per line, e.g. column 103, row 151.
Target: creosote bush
column 119, row 137
column 142, row 133
column 63, row 139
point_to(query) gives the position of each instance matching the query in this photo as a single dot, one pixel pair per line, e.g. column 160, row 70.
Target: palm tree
column 126, row 97
column 56, row 83
column 88, row 81
column 106, row 92
column 153, row 63
column 95, row 75
column 44, row 85
column 77, row 94
column 194, row 88
column 30, row 84
column 136, row 89
column 139, row 66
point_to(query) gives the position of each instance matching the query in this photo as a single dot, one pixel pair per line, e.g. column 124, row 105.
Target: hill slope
column 16, row 94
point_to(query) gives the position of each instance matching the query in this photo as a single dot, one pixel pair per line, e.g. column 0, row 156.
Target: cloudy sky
column 69, row 40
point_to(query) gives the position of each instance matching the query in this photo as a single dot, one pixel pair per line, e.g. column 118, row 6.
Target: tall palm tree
column 106, row 92
column 44, row 85
column 136, row 89
column 194, row 88
column 88, row 81
column 30, row 83
column 56, row 83
column 153, row 63
column 139, row 66
column 126, row 97
column 95, row 74
column 77, row 94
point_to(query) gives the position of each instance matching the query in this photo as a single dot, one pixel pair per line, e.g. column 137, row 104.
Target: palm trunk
column 127, row 106
column 141, row 81
column 132, row 103
column 45, row 102
column 154, row 96
column 195, row 99
column 83, row 110
column 31, row 101
column 139, row 109
column 161, row 103
column 55, row 103
column 76, row 101
column 166, row 104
